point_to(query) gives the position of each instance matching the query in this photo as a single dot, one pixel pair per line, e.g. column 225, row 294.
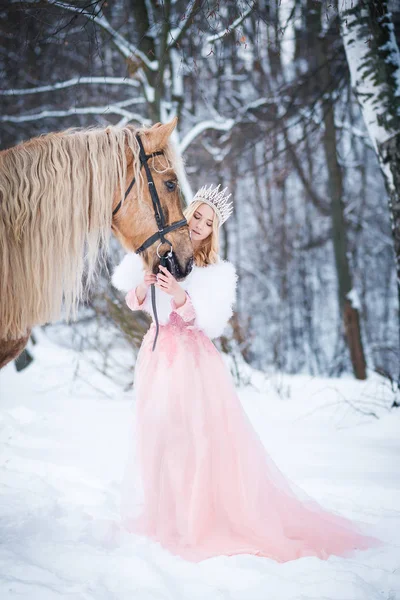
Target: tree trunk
column 374, row 62
column 348, row 307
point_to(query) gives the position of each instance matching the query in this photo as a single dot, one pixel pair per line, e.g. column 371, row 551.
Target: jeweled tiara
column 218, row 200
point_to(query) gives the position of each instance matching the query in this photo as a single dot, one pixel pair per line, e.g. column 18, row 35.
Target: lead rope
column 163, row 261
column 153, row 303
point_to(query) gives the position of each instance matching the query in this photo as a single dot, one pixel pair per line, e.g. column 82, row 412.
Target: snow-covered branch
column 221, row 124
column 177, row 33
column 218, row 153
column 70, row 83
column 218, row 36
column 119, row 41
column 224, row 125
column 116, row 109
column 124, row 47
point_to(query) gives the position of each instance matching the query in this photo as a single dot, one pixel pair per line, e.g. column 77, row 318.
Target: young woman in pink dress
column 199, row 480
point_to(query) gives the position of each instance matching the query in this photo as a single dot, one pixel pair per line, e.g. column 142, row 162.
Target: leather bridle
column 158, row 212
column 160, row 220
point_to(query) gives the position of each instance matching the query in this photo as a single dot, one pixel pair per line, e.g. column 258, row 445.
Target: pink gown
column 198, row 479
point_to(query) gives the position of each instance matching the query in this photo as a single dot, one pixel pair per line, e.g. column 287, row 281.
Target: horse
column 62, row 195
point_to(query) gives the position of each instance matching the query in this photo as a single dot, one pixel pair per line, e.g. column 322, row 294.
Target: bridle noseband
column 160, row 220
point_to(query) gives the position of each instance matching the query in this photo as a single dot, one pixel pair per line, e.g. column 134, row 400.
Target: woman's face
column 200, row 225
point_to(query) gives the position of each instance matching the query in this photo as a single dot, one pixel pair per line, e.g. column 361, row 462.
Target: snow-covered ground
column 64, row 440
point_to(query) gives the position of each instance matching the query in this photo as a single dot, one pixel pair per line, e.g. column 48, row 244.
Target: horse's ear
column 156, row 138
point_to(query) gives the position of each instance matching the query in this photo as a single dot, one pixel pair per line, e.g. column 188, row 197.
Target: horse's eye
column 170, row 185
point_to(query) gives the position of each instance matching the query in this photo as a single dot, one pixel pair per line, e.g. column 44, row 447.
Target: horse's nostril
column 189, row 266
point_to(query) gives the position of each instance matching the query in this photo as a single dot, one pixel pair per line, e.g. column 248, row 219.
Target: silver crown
column 218, row 200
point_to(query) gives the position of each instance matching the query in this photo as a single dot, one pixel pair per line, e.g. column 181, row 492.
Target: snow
column 287, row 32
column 199, row 128
column 117, row 109
column 354, row 299
column 124, row 81
column 177, row 79
column 63, row 446
column 234, row 25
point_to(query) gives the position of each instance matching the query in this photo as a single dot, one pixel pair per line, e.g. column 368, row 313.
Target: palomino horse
column 58, row 194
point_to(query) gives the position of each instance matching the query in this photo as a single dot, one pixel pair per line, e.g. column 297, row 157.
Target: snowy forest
column 294, row 106
column 267, row 106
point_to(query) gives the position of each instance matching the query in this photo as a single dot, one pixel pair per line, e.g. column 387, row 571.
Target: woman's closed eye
column 197, row 218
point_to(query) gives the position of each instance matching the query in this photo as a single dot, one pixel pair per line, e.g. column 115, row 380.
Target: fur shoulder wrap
column 212, row 291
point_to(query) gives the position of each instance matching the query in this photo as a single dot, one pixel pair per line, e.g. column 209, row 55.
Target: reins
column 160, row 220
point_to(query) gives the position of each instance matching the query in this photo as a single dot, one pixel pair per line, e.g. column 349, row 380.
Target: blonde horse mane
column 56, row 194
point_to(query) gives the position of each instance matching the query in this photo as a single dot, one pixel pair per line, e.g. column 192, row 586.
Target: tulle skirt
column 198, row 479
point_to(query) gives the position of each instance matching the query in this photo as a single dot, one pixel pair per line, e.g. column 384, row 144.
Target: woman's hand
column 141, row 289
column 149, row 278
column 167, row 283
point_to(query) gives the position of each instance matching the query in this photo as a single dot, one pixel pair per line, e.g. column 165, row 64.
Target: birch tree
column 374, row 62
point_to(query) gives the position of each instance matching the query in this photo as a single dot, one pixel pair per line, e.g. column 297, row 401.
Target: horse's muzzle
column 170, row 262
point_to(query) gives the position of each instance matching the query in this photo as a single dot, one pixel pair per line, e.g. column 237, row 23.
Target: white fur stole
column 212, row 290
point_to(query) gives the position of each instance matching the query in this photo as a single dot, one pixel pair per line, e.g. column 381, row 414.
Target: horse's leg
column 10, row 349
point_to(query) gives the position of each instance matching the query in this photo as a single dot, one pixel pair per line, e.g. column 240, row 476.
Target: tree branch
column 70, row 83
column 178, row 32
column 315, row 199
column 223, row 125
column 116, row 109
column 123, row 46
column 218, row 36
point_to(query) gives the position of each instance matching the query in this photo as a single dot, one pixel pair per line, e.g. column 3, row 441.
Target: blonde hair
column 207, row 252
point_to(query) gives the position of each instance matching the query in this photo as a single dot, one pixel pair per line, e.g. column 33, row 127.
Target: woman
column 199, row 479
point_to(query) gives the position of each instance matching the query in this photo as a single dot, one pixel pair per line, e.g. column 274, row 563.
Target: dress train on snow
column 198, row 479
